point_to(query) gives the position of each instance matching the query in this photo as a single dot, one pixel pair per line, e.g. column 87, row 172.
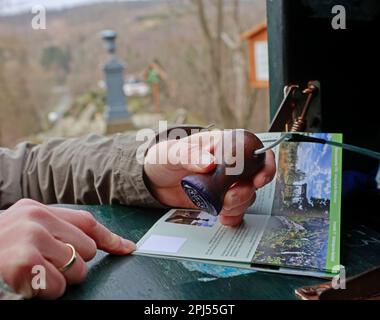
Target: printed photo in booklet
column 293, row 227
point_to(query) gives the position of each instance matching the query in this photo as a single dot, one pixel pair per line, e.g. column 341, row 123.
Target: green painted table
column 137, row 277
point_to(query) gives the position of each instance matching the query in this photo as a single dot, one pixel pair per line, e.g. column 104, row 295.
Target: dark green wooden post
column 277, row 34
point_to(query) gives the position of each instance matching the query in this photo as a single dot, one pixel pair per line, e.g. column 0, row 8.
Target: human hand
column 164, row 179
column 32, row 234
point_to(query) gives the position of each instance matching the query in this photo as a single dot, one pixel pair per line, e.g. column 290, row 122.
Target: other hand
column 32, row 234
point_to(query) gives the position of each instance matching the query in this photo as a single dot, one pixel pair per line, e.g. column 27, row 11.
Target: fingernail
column 128, row 245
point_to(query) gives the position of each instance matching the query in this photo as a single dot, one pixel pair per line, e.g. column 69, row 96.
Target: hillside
column 34, row 63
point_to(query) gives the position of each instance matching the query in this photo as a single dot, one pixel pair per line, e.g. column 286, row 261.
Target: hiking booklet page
column 293, row 226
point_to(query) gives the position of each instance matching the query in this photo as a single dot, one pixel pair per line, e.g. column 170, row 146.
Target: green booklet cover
column 293, row 227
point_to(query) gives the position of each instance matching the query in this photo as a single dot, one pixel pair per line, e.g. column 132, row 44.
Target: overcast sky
column 15, row 6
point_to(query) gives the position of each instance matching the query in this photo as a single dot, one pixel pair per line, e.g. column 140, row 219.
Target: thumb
column 193, row 157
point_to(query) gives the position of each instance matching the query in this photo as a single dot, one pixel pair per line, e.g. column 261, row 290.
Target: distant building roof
column 254, row 31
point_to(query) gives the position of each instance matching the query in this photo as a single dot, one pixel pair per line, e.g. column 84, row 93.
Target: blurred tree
column 56, row 59
column 215, row 42
column 22, row 100
column 238, row 110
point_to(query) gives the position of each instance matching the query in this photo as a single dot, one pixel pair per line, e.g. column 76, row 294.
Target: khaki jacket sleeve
column 89, row 170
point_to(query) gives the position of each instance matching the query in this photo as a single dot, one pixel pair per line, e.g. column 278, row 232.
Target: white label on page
column 163, row 244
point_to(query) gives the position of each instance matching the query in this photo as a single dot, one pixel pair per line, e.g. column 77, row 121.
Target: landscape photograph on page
column 293, row 226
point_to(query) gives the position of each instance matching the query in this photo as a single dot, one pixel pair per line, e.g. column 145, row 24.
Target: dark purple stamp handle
column 207, row 191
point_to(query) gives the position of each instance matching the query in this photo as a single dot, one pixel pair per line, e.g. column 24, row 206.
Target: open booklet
column 293, row 227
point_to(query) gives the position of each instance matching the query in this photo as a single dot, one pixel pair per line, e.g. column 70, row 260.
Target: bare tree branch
column 251, row 101
column 236, row 14
column 219, row 30
column 203, row 20
column 215, row 44
column 231, row 44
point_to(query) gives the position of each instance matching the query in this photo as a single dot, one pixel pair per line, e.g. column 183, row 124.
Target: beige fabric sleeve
column 88, row 170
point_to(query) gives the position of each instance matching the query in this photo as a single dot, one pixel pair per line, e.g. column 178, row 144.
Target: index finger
column 105, row 239
column 267, row 173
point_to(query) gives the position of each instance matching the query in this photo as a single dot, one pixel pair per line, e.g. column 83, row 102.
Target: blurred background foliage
column 60, row 69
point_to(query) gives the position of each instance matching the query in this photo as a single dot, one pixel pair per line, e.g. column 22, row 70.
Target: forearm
column 89, row 170
column 12, row 163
